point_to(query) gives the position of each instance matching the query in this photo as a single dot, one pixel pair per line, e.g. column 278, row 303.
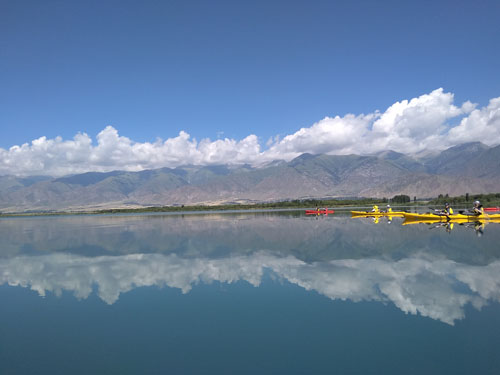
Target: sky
column 106, row 85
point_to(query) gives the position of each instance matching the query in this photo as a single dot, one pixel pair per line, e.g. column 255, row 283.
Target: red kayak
column 492, row 209
column 316, row 212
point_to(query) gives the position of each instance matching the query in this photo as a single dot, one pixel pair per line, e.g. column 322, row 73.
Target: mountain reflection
column 433, row 287
column 216, row 236
column 420, row 269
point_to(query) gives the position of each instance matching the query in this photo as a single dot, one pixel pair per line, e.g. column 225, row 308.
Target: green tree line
column 486, row 199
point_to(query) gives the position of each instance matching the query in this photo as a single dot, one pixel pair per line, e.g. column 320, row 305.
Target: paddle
column 468, row 213
column 464, row 212
column 439, row 225
column 441, row 213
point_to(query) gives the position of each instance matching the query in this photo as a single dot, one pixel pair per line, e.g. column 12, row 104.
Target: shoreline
column 198, row 210
column 291, row 205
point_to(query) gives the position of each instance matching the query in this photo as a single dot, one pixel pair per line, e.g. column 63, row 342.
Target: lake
column 247, row 293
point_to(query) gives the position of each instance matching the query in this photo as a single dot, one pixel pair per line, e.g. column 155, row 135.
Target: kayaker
column 447, row 209
column 389, row 209
column 375, row 209
column 478, row 208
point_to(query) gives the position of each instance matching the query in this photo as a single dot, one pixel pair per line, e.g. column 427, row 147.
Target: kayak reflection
column 447, row 217
column 444, row 222
column 376, row 218
column 478, row 225
column 420, row 271
column 376, row 214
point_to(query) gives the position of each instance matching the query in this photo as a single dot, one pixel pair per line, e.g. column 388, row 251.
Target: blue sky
column 228, row 69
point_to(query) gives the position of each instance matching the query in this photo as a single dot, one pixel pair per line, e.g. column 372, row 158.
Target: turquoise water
column 253, row 293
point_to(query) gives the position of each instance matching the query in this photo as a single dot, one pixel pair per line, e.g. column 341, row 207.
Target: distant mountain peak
column 468, row 147
column 87, row 178
column 304, row 156
column 389, row 154
column 471, row 167
column 273, row 163
column 453, row 160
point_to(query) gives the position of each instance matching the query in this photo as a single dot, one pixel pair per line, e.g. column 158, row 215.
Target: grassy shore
column 299, row 204
column 486, row 199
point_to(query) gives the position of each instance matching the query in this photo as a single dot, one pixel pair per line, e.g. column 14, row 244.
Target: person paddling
column 447, row 209
column 389, row 209
column 477, row 209
column 375, row 209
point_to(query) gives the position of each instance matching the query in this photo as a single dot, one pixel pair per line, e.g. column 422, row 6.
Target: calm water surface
column 253, row 293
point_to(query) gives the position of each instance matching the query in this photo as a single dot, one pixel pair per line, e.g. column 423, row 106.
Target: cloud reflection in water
column 433, row 287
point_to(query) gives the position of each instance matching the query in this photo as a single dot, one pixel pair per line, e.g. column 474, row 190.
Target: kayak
column 456, row 221
column 316, row 212
column 369, row 213
column 443, row 217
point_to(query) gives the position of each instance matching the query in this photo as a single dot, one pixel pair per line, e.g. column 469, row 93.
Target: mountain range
column 471, row 167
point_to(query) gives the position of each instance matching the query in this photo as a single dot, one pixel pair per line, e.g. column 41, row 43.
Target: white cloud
column 114, row 152
column 417, row 124
column 481, row 125
column 432, row 287
column 339, row 135
column 430, row 121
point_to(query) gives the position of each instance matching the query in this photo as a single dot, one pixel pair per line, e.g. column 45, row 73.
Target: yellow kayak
column 442, row 217
column 454, row 221
column 451, row 222
column 374, row 214
column 426, row 221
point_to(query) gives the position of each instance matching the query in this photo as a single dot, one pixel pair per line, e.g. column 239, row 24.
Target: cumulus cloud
column 481, row 125
column 432, row 287
column 430, row 121
column 114, row 152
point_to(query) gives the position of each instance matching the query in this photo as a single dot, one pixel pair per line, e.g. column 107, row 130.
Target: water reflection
column 477, row 226
column 433, row 287
column 419, row 268
column 308, row 239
